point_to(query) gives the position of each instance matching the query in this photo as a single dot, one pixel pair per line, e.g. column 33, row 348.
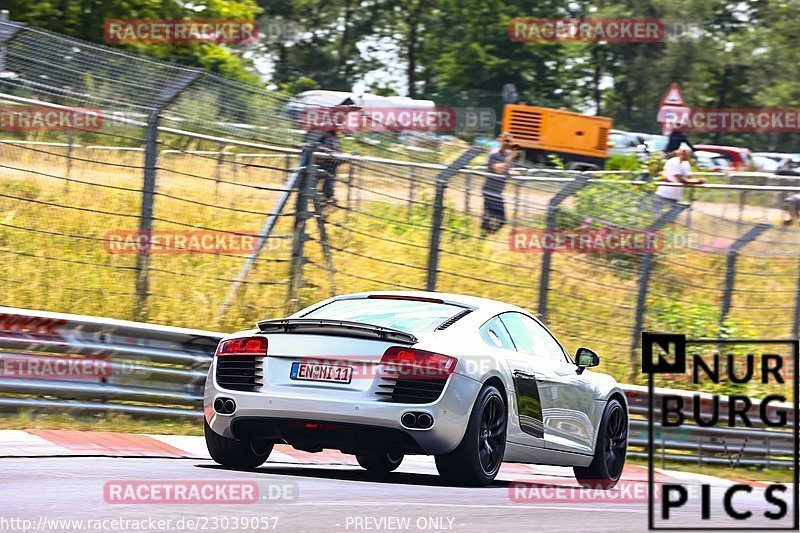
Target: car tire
column 605, row 469
column 379, row 463
column 236, row 453
column 477, row 459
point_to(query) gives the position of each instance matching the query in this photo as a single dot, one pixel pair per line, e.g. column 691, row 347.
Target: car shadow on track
column 356, row 474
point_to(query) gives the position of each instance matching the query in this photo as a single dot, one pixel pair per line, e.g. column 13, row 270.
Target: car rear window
column 405, row 315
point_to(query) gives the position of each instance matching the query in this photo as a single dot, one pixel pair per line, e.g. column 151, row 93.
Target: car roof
column 706, row 153
column 717, row 148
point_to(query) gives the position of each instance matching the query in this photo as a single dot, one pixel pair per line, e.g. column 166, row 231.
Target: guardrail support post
column 641, row 298
column 438, row 212
column 167, row 96
column 547, row 256
column 730, row 267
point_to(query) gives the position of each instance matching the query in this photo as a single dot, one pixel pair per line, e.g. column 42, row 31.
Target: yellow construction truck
column 580, row 141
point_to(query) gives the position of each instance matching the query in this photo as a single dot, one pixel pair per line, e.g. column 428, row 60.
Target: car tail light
column 247, row 346
column 419, row 363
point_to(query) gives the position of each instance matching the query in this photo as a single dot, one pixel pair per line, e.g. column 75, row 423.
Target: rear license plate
column 315, row 372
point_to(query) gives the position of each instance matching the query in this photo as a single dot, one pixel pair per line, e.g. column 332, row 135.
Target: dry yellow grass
column 53, row 257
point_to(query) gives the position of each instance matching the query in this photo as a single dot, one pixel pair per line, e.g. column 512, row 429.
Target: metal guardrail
column 721, row 445
column 100, row 364
column 147, row 370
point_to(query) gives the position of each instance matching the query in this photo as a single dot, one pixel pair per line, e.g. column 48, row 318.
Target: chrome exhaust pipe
column 408, row 420
column 219, row 405
column 230, row 406
column 424, row 421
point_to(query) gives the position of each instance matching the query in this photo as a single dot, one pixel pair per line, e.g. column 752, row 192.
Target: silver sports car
column 471, row 381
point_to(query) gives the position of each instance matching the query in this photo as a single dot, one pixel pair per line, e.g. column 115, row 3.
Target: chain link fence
column 184, row 154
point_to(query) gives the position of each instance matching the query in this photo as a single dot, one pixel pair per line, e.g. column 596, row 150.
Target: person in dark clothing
column 676, row 139
column 327, row 164
column 500, row 161
column 325, row 136
column 325, row 141
column 790, row 167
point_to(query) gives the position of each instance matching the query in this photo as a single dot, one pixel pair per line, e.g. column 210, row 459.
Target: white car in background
column 380, row 375
column 711, row 161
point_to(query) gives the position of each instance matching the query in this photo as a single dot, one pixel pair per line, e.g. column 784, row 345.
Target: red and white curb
column 60, row 443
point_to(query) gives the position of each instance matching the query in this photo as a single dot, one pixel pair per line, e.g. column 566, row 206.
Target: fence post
column 644, row 281
column 349, row 192
column 146, row 215
column 438, row 212
column 467, row 192
column 742, row 200
column 517, row 187
column 68, row 174
column 359, row 183
column 167, row 96
column 730, row 267
column 547, row 256
column 234, row 168
column 304, row 194
column 410, row 192
column 689, row 210
column 218, row 169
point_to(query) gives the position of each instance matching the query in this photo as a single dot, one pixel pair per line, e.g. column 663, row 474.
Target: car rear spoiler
column 340, row 328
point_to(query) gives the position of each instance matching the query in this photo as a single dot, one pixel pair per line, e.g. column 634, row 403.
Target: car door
column 527, row 411
column 567, row 398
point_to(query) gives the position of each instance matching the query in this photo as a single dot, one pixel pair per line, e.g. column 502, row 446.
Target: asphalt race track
column 44, row 493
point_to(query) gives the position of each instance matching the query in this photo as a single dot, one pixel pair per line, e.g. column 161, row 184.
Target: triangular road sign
column 673, row 97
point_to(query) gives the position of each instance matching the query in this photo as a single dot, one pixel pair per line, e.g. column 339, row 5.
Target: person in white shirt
column 677, row 170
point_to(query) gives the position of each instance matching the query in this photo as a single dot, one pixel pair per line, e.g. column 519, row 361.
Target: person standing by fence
column 500, row 162
column 677, row 169
column 328, row 164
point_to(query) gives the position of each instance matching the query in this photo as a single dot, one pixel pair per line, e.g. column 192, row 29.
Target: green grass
column 742, row 473
column 27, row 419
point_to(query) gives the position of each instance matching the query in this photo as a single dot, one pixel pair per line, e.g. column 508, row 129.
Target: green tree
column 85, row 19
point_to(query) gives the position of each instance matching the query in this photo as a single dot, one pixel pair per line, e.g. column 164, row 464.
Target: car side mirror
column 586, row 358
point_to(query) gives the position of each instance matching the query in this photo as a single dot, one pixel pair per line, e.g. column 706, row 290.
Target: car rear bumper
column 372, row 420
